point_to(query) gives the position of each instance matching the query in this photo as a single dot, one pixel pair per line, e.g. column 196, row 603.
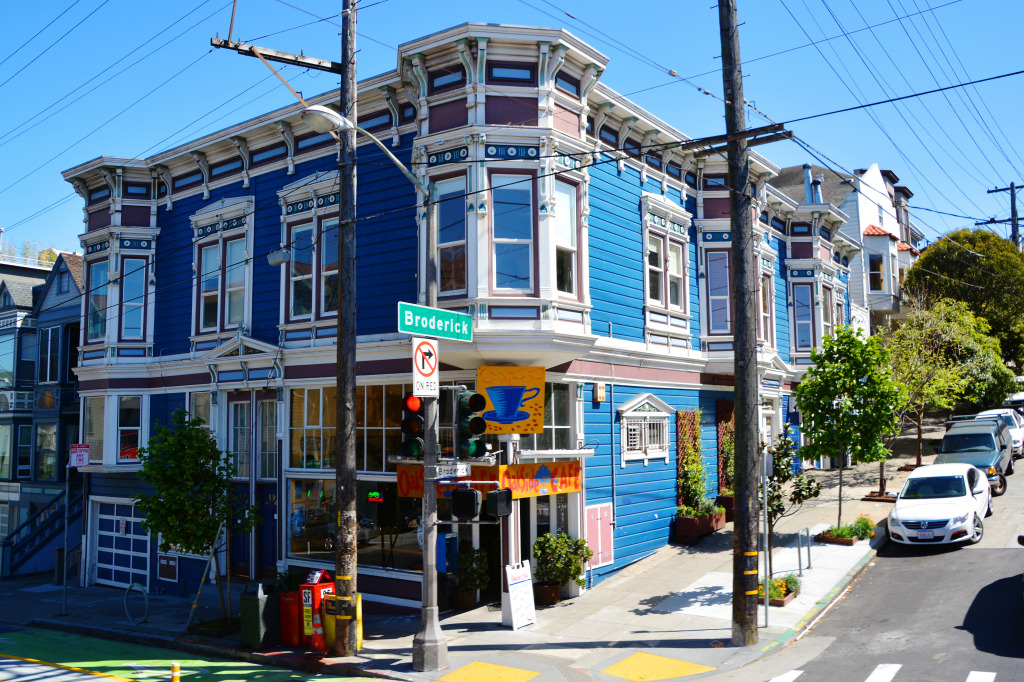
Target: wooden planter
column 689, row 529
column 829, row 540
column 728, row 502
column 785, row 600
column 547, row 594
column 463, row 601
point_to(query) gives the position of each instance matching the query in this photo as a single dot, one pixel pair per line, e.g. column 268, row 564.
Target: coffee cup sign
column 515, row 398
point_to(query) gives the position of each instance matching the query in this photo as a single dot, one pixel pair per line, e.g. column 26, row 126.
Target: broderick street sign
column 441, row 324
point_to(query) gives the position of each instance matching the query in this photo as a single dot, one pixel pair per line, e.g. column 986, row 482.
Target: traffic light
column 499, row 503
column 412, row 426
column 465, row 503
column 470, row 424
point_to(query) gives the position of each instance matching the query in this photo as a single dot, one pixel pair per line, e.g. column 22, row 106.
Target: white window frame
column 222, row 232
column 240, row 437
column 47, row 338
column 90, row 403
column 122, row 428
column 95, row 291
column 797, row 323
column 655, row 253
column 708, row 254
column 644, row 430
column 827, row 312
column 566, row 234
column 519, row 181
column 293, row 278
column 130, row 268
column 323, row 278
column 880, row 271
column 766, row 309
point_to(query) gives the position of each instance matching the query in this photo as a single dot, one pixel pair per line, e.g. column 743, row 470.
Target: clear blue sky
column 85, row 78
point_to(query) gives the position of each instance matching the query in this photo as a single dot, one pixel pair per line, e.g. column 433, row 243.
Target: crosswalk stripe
column 884, row 672
column 787, row 677
column 976, row 676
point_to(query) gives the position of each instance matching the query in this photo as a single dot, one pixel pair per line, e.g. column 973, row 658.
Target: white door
column 121, row 550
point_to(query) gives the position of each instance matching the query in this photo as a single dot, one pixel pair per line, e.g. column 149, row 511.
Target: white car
column 941, row 504
column 1014, row 421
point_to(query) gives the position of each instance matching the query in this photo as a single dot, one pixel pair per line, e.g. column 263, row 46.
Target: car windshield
column 935, row 487
column 959, row 442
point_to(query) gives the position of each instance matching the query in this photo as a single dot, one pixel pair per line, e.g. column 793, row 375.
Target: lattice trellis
column 687, row 439
column 723, row 416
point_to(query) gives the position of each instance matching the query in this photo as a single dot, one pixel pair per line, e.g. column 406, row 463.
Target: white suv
column 1014, row 421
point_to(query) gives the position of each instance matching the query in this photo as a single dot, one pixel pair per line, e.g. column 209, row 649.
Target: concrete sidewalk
column 665, row 617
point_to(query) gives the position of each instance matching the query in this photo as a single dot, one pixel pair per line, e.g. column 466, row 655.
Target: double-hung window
column 666, row 271
column 222, row 284
column 49, row 355
column 764, row 327
column 512, row 231
column 803, row 314
column 719, row 293
column 46, row 451
column 451, row 236
column 129, row 421
column 565, row 237
column 96, row 311
column 92, row 427
column 24, row 451
column 827, row 310
column 313, row 270
column 656, row 270
column 5, row 452
column 876, row 280
column 133, row 298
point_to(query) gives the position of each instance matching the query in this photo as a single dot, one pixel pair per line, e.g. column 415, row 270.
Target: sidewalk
column 665, row 617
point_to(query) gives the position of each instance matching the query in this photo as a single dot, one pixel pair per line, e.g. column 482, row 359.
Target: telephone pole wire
column 744, row 563
column 1014, row 231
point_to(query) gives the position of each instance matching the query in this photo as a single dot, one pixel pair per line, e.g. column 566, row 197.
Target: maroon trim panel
column 566, row 121
column 716, row 207
column 448, row 115
column 328, row 370
column 200, row 379
column 801, row 250
column 509, row 111
column 99, row 218
column 135, row 216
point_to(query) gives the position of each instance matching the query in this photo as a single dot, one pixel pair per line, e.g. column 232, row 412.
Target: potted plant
column 471, row 575
column 727, row 461
column 693, row 523
column 781, row 591
column 848, row 533
column 559, row 561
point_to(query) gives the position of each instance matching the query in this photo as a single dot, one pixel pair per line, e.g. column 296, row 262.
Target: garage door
column 122, row 547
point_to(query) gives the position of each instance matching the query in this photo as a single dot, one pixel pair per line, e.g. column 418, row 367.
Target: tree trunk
column 227, row 555
column 881, row 478
column 220, row 583
column 842, row 461
column 920, row 435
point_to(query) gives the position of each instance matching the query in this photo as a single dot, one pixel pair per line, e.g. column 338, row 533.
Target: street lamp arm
column 394, row 159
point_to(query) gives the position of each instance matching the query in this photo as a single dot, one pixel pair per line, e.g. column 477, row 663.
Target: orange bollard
column 175, row 672
column 318, row 642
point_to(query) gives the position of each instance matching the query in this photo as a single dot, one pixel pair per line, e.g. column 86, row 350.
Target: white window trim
column 523, row 180
column 670, row 223
column 572, row 210
column 449, row 186
column 234, row 220
column 644, row 412
column 50, row 333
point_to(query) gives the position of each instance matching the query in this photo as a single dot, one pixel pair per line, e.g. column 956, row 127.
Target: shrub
column 560, row 558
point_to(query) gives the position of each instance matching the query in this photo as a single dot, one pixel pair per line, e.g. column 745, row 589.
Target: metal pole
column 1013, row 216
column 429, row 648
column 345, row 561
column 67, row 515
column 744, row 582
column 767, row 550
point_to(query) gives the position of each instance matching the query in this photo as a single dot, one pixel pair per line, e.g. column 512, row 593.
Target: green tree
column 941, row 354
column 801, row 487
column 192, row 498
column 986, row 272
column 848, row 401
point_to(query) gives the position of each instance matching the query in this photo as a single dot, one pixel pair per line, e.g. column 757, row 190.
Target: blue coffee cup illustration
column 506, row 401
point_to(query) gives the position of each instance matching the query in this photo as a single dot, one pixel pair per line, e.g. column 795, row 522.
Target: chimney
column 807, row 184
column 816, row 186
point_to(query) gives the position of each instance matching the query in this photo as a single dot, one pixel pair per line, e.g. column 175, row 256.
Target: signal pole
column 744, row 564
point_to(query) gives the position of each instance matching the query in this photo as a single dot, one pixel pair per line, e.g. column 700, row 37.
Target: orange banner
column 525, row 480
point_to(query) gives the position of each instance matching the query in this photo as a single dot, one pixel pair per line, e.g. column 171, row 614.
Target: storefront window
column 313, row 428
column 557, row 432
column 388, row 534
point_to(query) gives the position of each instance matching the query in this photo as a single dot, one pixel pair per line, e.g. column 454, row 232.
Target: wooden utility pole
column 1014, row 231
column 345, row 467
column 744, row 564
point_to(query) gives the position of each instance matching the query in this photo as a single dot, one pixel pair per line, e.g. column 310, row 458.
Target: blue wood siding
column 616, row 252
column 782, row 337
column 162, row 407
column 644, row 497
column 691, row 275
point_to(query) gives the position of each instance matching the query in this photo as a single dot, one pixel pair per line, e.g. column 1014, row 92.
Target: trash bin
column 291, row 619
column 261, row 614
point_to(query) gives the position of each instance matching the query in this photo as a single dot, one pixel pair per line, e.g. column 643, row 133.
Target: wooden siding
column 782, row 338
column 162, row 407
column 616, row 252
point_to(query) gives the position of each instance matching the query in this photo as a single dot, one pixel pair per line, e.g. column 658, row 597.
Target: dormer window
column 447, row 78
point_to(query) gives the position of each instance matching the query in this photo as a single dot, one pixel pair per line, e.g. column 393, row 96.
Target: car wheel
column 1000, row 487
column 1010, row 468
column 978, row 532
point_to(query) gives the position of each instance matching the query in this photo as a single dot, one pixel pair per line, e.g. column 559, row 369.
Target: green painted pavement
column 107, row 659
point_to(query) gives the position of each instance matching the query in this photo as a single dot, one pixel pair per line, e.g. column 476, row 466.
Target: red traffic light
column 413, row 403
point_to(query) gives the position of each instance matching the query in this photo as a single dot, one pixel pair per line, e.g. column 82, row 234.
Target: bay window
column 565, row 237
column 451, row 235
column 5, row 452
column 719, row 293
column 803, row 312
column 133, row 297
column 46, row 452
column 876, row 280
column 129, row 421
column 764, row 327
column 512, row 231
column 92, row 427
column 97, row 305
column 827, row 322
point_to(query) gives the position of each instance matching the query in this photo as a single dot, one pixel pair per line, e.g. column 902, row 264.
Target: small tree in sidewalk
column 192, row 496
column 849, row 401
column 801, row 487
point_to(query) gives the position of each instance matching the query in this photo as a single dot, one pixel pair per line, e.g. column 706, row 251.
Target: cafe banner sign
column 515, row 398
column 535, row 479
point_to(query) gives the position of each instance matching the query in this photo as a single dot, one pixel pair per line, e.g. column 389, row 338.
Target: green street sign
column 441, row 324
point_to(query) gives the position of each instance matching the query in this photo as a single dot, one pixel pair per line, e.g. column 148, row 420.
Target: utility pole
column 345, row 458
column 346, row 520
column 744, row 563
column 1014, row 231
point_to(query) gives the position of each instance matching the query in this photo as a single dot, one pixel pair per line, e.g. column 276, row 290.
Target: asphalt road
column 935, row 614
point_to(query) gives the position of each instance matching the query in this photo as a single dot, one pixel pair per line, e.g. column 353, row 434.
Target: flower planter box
column 547, row 594
column 873, row 496
column 828, row 539
column 464, row 601
column 785, row 600
column 689, row 529
column 727, row 502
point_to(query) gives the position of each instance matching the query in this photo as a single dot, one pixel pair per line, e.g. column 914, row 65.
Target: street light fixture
column 429, row 649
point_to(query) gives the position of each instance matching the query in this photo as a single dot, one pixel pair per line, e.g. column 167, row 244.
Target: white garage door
column 121, row 547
